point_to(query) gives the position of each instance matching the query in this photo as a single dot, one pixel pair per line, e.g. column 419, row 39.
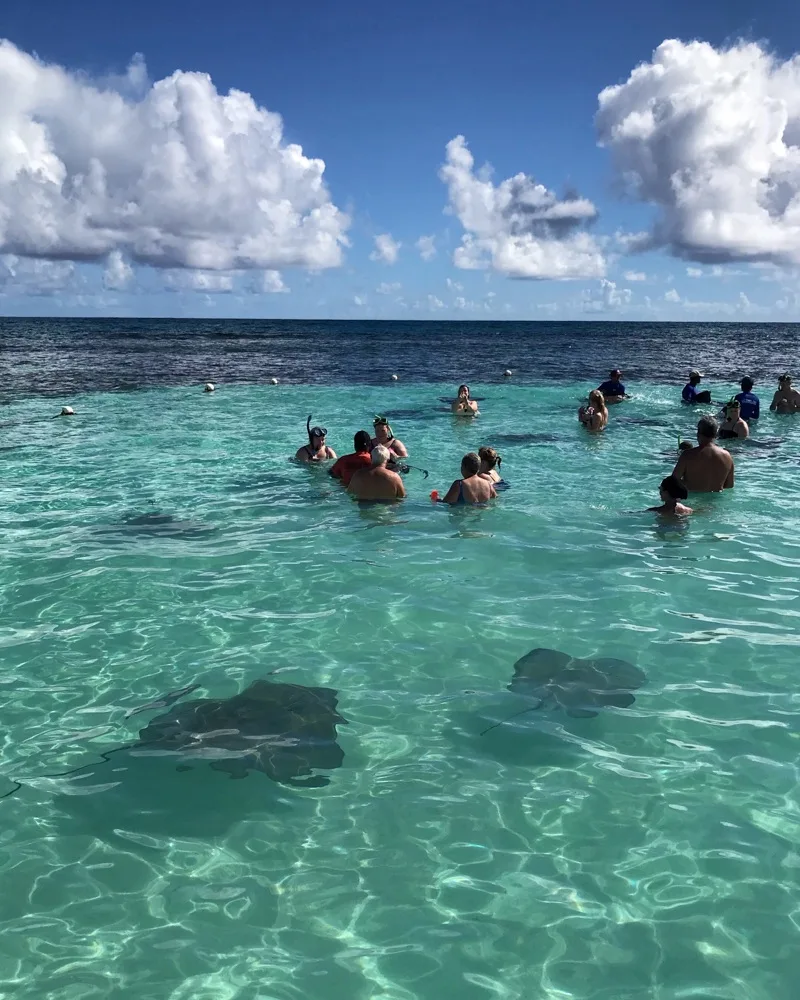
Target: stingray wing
column 581, row 687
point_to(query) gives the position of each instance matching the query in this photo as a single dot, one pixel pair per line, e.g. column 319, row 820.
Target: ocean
column 471, row 840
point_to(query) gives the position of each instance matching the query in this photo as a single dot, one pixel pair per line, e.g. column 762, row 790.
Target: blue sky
column 705, row 230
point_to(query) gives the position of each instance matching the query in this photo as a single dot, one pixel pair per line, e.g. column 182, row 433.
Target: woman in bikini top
column 384, row 436
column 472, row 488
column 316, row 450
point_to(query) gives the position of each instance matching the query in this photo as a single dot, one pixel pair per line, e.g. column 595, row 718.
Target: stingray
column 511, row 439
column 581, row 688
column 283, row 730
column 159, row 525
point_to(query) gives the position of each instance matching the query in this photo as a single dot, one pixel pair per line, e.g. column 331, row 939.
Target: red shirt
column 344, row 467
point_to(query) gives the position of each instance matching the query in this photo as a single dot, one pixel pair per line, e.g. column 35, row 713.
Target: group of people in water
column 372, row 470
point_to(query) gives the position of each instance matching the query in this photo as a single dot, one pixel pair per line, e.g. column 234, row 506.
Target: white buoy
column 67, row 411
column 394, row 378
column 209, row 387
column 274, row 381
column 507, row 373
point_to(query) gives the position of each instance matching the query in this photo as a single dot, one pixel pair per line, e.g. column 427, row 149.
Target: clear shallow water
column 652, row 852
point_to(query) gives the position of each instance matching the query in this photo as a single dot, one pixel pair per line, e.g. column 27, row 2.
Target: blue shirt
column 751, row 406
column 689, row 393
column 612, row 388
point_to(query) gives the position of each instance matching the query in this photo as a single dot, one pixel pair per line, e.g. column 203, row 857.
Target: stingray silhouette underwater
column 581, row 688
column 286, row 731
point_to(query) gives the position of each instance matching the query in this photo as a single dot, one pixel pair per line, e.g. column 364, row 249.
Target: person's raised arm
column 680, row 468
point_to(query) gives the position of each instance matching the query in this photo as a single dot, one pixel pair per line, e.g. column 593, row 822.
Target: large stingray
column 580, row 688
column 284, row 730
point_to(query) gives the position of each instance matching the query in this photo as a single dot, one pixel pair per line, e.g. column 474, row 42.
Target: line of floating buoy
column 507, row 373
column 394, row 378
column 209, row 387
column 67, row 411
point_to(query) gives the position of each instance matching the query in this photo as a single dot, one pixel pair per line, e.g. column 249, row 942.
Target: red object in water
column 434, row 494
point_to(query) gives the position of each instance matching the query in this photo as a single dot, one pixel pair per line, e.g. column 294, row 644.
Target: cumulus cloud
column 118, row 272
column 711, row 138
column 518, row 227
column 427, row 247
column 271, row 283
column 433, row 302
column 388, row 287
column 359, row 300
column 609, row 298
column 386, row 249
column 171, row 174
column 672, row 295
column 635, row 276
column 210, row 282
column 22, row 276
column 454, row 286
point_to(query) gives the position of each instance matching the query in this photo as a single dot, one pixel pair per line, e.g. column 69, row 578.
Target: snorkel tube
column 308, row 427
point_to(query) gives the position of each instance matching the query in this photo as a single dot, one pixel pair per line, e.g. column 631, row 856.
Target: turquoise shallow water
column 650, row 852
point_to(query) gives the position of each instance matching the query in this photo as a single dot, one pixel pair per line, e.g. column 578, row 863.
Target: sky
column 426, row 160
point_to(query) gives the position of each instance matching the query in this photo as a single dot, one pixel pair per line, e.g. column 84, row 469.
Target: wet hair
column 471, row 463
column 746, row 383
column 786, row 377
column 489, row 456
column 380, row 455
column 685, row 446
column 597, row 399
column 361, row 441
column 707, row 427
column 675, row 488
column 464, row 386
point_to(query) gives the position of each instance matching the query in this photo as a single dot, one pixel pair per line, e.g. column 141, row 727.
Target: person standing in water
column 384, row 436
column 316, row 450
column 345, row 467
column 490, row 466
column 472, row 488
column 691, row 394
column 377, row 482
column 706, row 468
column 750, row 403
column 787, row 398
column 612, row 389
column 462, row 405
column 733, row 426
column 594, row 416
column 672, row 493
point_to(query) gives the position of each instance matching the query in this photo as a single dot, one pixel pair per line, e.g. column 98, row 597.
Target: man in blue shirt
column 751, row 405
column 690, row 393
column 613, row 389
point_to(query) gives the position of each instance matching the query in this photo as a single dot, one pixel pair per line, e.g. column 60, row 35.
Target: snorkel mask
column 315, row 432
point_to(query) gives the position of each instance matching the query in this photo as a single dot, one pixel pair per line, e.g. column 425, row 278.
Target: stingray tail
column 516, row 715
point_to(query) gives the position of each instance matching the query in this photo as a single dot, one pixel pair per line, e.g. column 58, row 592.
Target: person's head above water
column 747, row 384
column 707, row 429
column 695, row 377
column 470, row 465
column 362, row 441
column 383, row 430
column 785, row 380
column 672, row 489
column 597, row 399
column 615, row 373
column 685, row 446
column 380, row 455
column 489, row 457
column 463, row 390
column 733, row 409
column 316, row 435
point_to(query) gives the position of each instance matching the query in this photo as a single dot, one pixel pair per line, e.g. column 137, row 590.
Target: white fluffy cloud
column 635, row 276
column 711, row 138
column 118, row 272
column 607, row 298
column 672, row 296
column 388, row 288
column 271, row 282
column 518, row 227
column 23, row 276
column 386, row 249
column 427, row 247
column 211, row 282
column 171, row 174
